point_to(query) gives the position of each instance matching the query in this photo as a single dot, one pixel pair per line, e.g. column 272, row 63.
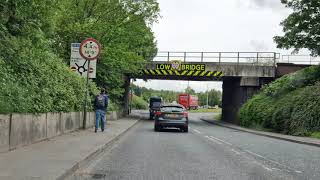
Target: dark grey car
column 171, row 115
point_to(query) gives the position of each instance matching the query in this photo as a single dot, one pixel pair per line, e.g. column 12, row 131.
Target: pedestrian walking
column 100, row 106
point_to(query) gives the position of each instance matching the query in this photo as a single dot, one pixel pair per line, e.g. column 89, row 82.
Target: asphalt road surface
column 206, row 152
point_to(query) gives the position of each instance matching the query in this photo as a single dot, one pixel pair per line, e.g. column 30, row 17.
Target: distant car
column 154, row 105
column 171, row 115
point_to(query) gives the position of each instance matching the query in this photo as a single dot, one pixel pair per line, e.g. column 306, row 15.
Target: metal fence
column 300, row 59
column 253, row 58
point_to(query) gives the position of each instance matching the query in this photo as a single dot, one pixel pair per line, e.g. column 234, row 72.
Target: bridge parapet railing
column 252, row 58
column 300, row 59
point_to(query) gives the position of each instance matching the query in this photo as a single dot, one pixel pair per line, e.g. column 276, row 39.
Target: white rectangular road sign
column 80, row 65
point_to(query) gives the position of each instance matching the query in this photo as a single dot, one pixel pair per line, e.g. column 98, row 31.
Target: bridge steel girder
column 228, row 70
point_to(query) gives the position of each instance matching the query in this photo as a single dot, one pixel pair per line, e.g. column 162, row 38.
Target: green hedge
column 139, row 103
column 35, row 80
column 289, row 105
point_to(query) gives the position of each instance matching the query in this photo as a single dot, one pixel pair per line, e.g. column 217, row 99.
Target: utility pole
column 207, row 97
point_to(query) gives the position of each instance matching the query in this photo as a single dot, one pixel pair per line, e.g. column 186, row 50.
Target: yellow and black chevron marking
column 157, row 72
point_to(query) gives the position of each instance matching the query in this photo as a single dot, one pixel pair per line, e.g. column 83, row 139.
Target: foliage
column 289, row 105
column 302, row 26
column 189, row 90
column 145, row 93
column 139, row 103
column 315, row 135
column 122, row 27
column 35, row 37
column 214, row 98
column 218, row 110
column 34, row 78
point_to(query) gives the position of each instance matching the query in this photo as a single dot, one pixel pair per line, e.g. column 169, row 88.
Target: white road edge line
column 275, row 162
column 221, row 140
column 213, row 140
column 197, row 131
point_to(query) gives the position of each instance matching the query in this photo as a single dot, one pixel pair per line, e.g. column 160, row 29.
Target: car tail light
column 185, row 114
column 158, row 113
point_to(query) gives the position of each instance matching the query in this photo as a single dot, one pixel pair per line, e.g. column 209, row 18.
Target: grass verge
column 315, row 135
column 206, row 111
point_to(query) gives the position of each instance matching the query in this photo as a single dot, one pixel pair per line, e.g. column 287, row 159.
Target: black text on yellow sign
column 181, row 67
column 162, row 72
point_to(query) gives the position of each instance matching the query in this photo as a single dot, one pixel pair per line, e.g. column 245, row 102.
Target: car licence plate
column 173, row 116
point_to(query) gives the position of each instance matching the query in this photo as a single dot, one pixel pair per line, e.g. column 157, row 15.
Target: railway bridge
column 242, row 73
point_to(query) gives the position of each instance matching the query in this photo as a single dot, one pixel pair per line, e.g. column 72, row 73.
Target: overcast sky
column 216, row 25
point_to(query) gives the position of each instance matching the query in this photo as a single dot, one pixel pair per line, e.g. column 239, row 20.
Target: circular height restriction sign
column 90, row 49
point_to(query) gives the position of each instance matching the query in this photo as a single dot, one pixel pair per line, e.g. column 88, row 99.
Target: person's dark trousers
column 100, row 116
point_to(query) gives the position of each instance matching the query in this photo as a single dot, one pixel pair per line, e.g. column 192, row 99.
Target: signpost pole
column 89, row 50
column 86, row 99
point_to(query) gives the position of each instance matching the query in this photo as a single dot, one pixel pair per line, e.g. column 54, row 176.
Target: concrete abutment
column 236, row 91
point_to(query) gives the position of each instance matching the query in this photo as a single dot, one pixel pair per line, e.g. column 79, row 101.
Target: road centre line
column 213, row 140
column 265, row 167
column 235, row 151
column 221, row 140
column 255, row 154
column 197, row 131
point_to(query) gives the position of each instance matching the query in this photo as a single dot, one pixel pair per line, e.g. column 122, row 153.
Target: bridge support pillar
column 236, row 91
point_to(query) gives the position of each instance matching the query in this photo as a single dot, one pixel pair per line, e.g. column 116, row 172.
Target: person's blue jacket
column 98, row 107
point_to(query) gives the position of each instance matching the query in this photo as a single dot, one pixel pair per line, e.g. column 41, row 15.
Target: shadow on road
column 171, row 130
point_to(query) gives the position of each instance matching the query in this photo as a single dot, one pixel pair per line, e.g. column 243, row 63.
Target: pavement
column 296, row 139
column 59, row 157
column 206, row 152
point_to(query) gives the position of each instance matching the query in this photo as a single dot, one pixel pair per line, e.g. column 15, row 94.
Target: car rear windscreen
column 172, row 109
column 155, row 104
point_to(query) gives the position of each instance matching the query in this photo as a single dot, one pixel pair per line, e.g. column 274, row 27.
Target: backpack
column 101, row 101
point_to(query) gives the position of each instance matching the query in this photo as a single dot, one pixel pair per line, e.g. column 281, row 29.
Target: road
column 206, row 152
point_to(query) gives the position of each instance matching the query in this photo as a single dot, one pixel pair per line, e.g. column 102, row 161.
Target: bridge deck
column 203, row 71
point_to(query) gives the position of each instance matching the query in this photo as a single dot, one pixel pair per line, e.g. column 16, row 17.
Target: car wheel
column 156, row 128
column 185, row 129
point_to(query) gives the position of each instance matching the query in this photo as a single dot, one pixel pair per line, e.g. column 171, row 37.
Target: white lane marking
column 255, row 154
column 272, row 161
column 213, row 140
column 221, row 140
column 197, row 131
column 265, row 167
column 235, row 151
column 276, row 169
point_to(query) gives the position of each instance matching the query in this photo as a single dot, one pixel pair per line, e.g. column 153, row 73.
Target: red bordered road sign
column 90, row 49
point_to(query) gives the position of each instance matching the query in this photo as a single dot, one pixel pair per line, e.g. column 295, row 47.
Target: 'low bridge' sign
column 179, row 70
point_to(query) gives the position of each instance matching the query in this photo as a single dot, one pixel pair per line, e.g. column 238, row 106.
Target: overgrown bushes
column 44, row 84
column 289, row 105
column 35, row 38
column 138, row 103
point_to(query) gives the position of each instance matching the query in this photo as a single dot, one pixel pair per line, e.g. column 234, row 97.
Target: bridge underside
column 180, row 78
